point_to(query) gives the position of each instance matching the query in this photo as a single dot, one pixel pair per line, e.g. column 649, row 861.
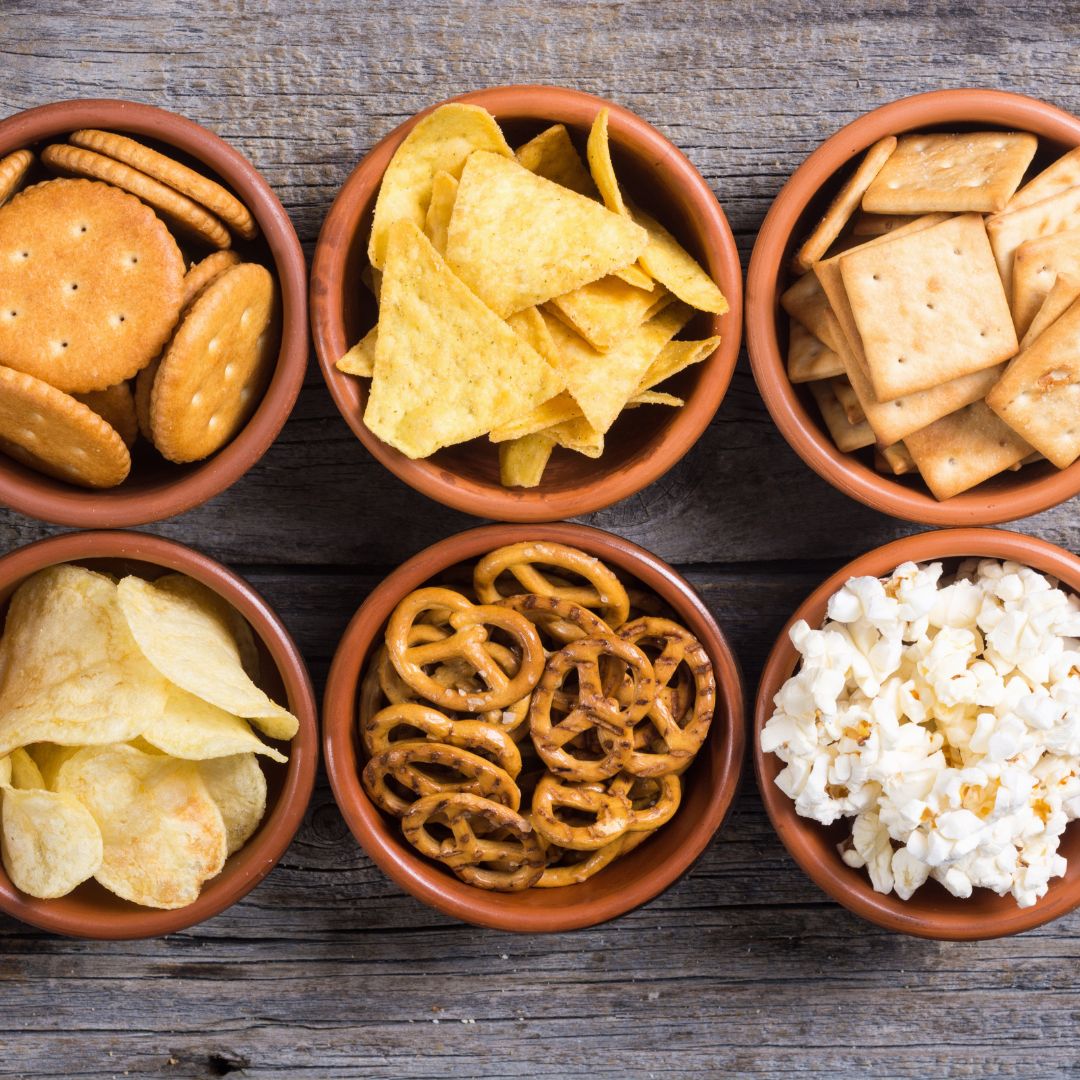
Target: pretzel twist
column 653, row 800
column 558, row 872
column 610, row 812
column 563, row 620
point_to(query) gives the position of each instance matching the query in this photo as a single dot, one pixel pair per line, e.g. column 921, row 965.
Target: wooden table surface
column 327, row 969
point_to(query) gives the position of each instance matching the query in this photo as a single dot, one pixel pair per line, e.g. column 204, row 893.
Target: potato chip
column 552, row 155
column 517, row 239
column 447, row 369
column 360, row 359
column 602, row 382
column 188, row 640
column 441, row 142
column 163, row 835
column 48, row 757
column 437, row 221
column 71, row 670
column 5, row 770
column 49, row 841
column 522, row 461
column 194, row 729
column 24, row 771
column 605, row 311
column 674, row 357
column 600, row 164
column 546, row 414
column 238, row 787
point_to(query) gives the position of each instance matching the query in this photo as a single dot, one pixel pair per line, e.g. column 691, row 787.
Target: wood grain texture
column 744, row 968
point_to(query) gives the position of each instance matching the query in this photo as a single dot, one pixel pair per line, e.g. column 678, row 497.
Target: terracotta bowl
column 793, row 214
column 627, row 883
column 93, row 912
column 157, row 488
column 638, row 450
column 932, row 912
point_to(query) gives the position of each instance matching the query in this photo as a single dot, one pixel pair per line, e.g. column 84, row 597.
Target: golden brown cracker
column 1036, row 266
column 202, row 273
column 144, row 388
column 809, row 359
column 116, row 406
column 847, row 436
column 1010, row 229
column 13, row 168
column 1058, row 300
column 92, row 285
column 805, row 301
column 864, row 224
column 1054, row 179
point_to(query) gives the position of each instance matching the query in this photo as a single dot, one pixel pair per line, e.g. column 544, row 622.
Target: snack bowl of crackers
column 917, row 734
column 526, row 303
column 911, row 308
column 154, row 330
column 159, row 736
column 534, row 727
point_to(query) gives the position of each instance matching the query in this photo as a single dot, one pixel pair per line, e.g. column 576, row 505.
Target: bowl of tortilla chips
column 526, row 303
column 913, row 308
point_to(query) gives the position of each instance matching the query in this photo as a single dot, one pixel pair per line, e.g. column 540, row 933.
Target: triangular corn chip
column 552, row 155
column 603, row 171
column 605, row 311
column 674, row 357
column 666, row 260
column 437, row 221
column 441, row 142
column 447, row 369
column 546, row 414
column 580, row 436
column 360, row 359
column 517, row 239
column 522, row 461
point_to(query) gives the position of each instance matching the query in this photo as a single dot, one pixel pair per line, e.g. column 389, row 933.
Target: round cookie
column 216, row 366
column 183, row 213
column 52, row 432
column 92, row 284
column 179, row 177
column 116, row 406
column 144, row 387
column 12, row 170
column 202, row 273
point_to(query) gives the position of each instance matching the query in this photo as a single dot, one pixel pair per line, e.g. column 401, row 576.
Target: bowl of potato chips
column 912, row 308
column 526, row 303
column 158, row 739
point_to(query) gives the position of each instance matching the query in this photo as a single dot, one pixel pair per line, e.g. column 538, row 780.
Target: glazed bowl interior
column 796, row 211
column 643, row 443
column 157, row 488
column 709, row 785
column 932, row 911
column 91, row 910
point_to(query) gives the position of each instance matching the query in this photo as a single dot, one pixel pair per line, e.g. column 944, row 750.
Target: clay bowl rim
column 767, row 276
column 653, row 459
column 246, row 868
column 54, row 501
column 430, row 883
column 851, row 887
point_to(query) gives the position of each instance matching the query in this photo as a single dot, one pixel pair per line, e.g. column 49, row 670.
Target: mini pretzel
column 591, row 709
column 470, row 851
column 474, row 735
column 403, row 763
column 562, row 619
column 653, row 800
column 611, row 814
column 681, row 728
column 604, row 591
column 558, row 873
column 469, row 623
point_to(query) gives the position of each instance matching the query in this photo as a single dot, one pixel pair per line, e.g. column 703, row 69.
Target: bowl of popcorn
column 917, row 734
column 912, row 311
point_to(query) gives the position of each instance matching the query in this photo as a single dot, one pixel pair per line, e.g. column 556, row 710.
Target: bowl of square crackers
column 526, row 303
column 153, row 328
column 913, row 308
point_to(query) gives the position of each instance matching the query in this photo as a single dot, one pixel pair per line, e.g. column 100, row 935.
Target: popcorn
column 944, row 719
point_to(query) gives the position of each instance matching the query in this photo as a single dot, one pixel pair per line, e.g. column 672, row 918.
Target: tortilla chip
column 552, row 155
column 517, row 239
column 674, row 357
column 603, row 171
column 522, row 461
column 545, row 415
column 437, row 221
column 447, row 369
column 668, row 262
column 580, row 436
column 360, row 359
column 655, row 397
column 605, row 311
column 441, row 142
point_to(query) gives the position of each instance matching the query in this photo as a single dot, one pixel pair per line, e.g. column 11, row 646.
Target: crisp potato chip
column 24, row 771
column 71, row 670
column 441, row 142
column 447, row 369
column 238, row 787
column 163, row 835
column 546, row 414
column 517, row 239
column 49, row 841
column 674, row 357
column 194, row 729
column 186, row 636
column 437, row 221
column 606, row 311
column 48, row 757
column 602, row 382
column 600, row 164
column 5, row 770
column 552, row 155
column 360, row 359
column 522, row 461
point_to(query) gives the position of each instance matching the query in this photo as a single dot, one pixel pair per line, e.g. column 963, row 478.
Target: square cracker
column 849, row 401
column 974, row 171
column 964, row 449
column 845, row 203
column 929, row 306
column 847, row 436
column 898, row 459
column 1007, row 231
column 809, row 358
column 1036, row 266
column 1063, row 174
column 1058, row 300
column 893, row 420
column 1039, row 396
column 805, row 302
column 865, row 224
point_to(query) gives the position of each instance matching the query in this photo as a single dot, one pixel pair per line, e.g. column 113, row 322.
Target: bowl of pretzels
column 534, row 727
